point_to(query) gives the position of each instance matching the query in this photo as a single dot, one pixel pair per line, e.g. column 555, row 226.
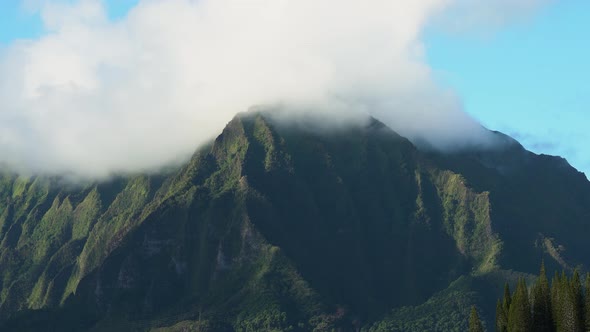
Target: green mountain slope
column 283, row 227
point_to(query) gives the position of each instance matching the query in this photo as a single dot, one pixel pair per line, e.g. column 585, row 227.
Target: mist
column 95, row 97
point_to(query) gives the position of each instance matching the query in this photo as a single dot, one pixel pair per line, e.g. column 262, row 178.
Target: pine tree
column 506, row 302
column 578, row 299
column 570, row 319
column 474, row 321
column 556, row 303
column 541, row 304
column 562, row 306
column 519, row 316
column 501, row 318
column 587, row 303
column 507, row 297
column 502, row 308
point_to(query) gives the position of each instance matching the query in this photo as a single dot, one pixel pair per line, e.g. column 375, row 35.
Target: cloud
column 93, row 97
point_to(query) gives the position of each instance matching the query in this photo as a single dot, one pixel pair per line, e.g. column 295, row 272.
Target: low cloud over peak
column 93, row 97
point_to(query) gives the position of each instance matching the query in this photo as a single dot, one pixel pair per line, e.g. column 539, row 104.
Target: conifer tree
column 570, row 318
column 562, row 306
column 541, row 303
column 506, row 302
column 502, row 308
column 578, row 299
column 501, row 318
column 587, row 303
column 519, row 315
column 507, row 296
column 556, row 303
column 474, row 321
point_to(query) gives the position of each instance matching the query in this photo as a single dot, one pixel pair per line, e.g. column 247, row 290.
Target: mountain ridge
column 280, row 227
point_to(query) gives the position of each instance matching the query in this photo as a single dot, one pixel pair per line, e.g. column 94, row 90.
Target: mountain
column 280, row 226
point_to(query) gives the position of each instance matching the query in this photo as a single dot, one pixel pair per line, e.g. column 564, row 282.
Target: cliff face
column 277, row 226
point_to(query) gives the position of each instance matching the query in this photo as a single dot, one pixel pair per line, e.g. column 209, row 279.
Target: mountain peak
column 286, row 223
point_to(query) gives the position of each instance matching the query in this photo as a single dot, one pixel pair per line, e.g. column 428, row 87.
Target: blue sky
column 18, row 22
column 529, row 79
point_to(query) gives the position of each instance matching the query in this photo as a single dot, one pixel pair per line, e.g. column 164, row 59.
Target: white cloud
column 94, row 97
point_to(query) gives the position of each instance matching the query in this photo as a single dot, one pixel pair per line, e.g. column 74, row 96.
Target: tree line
column 562, row 306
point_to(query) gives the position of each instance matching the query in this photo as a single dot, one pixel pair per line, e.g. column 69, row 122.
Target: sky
column 517, row 66
column 21, row 19
column 530, row 80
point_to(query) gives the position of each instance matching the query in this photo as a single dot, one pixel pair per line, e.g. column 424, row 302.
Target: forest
column 562, row 305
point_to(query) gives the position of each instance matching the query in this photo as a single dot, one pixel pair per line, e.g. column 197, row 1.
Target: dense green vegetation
column 559, row 307
column 282, row 227
column 475, row 324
